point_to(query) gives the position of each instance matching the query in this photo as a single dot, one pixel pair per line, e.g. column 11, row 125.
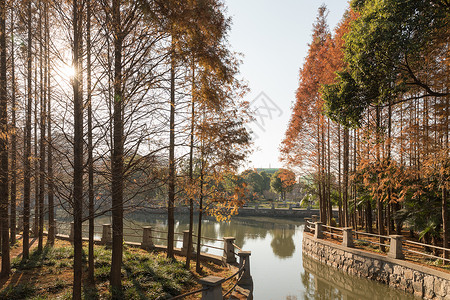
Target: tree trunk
column 191, row 169
column 27, row 146
column 117, row 158
column 346, row 167
column 198, row 267
column 4, row 195
column 330, row 208
column 90, row 157
column 13, row 187
column 379, row 204
column 339, row 178
column 445, row 230
column 77, row 151
column 36, row 163
column 170, row 208
column 50, row 187
column 42, row 117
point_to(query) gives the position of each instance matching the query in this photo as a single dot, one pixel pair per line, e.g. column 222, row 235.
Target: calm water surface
column 278, row 268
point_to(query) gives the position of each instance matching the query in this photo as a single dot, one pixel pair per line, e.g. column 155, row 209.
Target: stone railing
column 395, row 245
column 211, row 285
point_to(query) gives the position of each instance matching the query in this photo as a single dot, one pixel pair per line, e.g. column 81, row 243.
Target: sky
column 273, row 36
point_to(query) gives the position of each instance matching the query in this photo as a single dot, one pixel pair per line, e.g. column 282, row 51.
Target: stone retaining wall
column 420, row 280
column 279, row 212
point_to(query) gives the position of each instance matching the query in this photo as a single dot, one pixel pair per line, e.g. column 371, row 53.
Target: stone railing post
column 184, row 249
column 315, row 218
column 106, row 234
column 147, row 239
column 228, row 250
column 55, row 227
column 71, row 233
column 212, row 288
column 395, row 249
column 273, row 205
column 290, row 206
column 256, row 206
column 244, row 260
column 347, row 237
column 318, row 234
column 306, row 224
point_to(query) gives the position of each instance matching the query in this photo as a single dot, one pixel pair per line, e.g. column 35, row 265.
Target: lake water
column 278, row 268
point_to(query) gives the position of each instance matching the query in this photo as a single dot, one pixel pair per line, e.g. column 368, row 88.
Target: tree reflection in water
column 282, row 243
column 242, row 229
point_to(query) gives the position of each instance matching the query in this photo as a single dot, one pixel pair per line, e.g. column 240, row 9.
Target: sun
column 68, row 71
column 65, row 71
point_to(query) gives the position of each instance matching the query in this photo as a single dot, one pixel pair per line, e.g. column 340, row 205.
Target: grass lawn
column 48, row 275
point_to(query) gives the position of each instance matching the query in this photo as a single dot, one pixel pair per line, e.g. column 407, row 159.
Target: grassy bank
column 48, row 275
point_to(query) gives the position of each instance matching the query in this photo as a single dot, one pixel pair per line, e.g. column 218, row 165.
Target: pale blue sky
column 274, row 37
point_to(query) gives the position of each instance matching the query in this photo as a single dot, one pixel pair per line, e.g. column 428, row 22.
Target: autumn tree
column 282, row 182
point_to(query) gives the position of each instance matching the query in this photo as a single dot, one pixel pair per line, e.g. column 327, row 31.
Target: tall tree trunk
column 191, row 169
column 27, row 146
column 346, row 167
column 389, row 205
column 445, row 230
column 4, row 195
column 330, row 208
column 198, row 267
column 50, row 187
column 319, row 174
column 36, row 155
column 13, row 187
column 117, row 159
column 341, row 217
column 43, row 114
column 378, row 196
column 90, row 157
column 170, row 208
column 77, row 150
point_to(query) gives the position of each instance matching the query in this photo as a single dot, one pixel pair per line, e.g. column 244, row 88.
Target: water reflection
column 323, row 282
column 280, row 232
column 282, row 243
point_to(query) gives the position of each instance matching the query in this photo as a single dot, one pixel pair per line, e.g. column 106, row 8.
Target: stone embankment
column 419, row 280
column 288, row 211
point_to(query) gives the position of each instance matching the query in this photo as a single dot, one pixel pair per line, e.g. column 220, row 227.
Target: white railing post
column 147, row 239
column 228, row 250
